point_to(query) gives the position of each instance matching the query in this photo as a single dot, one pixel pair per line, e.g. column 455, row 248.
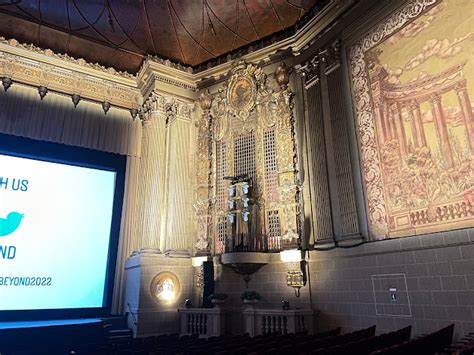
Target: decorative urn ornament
column 282, row 75
column 205, row 100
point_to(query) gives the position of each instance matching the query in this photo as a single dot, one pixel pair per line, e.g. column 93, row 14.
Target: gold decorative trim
column 67, row 58
column 169, row 106
column 32, row 66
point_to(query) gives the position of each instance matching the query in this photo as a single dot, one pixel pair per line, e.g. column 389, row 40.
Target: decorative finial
column 75, row 99
column 106, row 106
column 282, row 75
column 7, row 82
column 42, row 91
column 134, row 113
column 205, row 100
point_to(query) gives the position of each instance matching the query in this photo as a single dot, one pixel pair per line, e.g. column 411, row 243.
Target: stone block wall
column 433, row 275
column 150, row 316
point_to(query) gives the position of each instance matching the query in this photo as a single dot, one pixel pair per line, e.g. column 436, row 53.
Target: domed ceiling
column 120, row 33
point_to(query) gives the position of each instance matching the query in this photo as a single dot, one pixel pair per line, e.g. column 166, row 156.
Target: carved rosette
column 371, row 164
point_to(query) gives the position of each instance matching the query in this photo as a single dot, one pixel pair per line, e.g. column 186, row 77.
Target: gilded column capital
column 331, row 55
column 310, row 71
column 166, row 106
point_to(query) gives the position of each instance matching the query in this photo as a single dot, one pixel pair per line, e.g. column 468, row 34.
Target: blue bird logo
column 10, row 224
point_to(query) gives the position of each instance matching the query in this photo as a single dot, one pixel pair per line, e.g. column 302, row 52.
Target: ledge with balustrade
column 456, row 214
column 207, row 322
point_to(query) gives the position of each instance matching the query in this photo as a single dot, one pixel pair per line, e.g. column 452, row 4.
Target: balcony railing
column 266, row 321
column 205, row 322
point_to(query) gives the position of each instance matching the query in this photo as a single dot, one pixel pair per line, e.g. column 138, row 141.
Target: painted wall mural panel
column 413, row 92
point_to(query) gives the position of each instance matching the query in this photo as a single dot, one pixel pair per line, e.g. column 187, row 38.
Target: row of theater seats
column 331, row 342
column 464, row 346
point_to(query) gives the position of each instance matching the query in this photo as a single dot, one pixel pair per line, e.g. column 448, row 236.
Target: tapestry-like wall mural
column 413, row 92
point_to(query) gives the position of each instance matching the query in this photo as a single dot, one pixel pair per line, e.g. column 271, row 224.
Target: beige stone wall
column 150, row 317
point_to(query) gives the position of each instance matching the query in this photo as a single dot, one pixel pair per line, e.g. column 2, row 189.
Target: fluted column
column 391, row 123
column 466, row 110
column 386, row 122
column 442, row 130
column 178, row 231
column 417, row 124
column 399, row 129
column 152, row 173
column 380, row 122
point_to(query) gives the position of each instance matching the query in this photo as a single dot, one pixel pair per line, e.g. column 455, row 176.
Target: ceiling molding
column 295, row 44
column 31, row 66
column 34, row 66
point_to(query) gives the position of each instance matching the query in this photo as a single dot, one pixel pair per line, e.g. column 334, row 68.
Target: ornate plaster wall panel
column 412, row 85
column 251, row 132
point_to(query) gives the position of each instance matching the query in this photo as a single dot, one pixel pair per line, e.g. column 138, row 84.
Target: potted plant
column 250, row 296
column 217, row 298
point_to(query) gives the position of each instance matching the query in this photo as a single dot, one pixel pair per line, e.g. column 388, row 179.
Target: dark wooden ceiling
column 120, row 33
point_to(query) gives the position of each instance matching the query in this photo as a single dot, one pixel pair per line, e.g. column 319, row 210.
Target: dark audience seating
column 330, row 342
column 428, row 344
column 464, row 346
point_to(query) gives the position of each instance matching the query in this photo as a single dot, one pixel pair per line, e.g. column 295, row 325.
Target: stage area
column 53, row 334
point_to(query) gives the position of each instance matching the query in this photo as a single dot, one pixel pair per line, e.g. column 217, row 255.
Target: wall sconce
column 296, row 269
column 290, row 256
column 197, row 262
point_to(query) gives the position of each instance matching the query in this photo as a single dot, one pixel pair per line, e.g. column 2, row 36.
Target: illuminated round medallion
column 241, row 94
column 165, row 287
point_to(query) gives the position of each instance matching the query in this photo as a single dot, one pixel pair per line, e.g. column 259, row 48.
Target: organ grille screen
column 244, row 156
column 271, row 170
column 221, row 234
column 244, row 159
column 273, row 230
column 221, row 172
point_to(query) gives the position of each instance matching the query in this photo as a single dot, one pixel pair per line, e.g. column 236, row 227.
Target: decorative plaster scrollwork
column 168, row 106
column 60, row 73
column 65, row 57
column 240, row 115
column 331, row 55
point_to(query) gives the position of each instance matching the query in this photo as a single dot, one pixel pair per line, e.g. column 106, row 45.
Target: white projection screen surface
column 55, row 230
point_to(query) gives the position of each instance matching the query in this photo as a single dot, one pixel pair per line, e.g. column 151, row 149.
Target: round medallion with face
column 242, row 94
column 165, row 287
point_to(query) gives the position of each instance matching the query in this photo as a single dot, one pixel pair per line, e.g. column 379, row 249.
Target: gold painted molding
column 33, row 66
